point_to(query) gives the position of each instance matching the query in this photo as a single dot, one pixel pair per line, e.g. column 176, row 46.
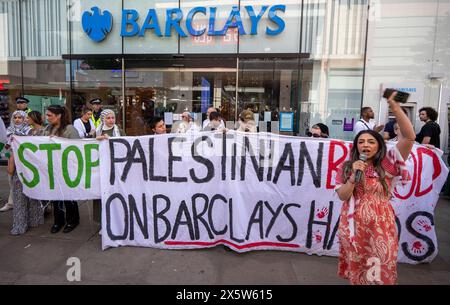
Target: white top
column 250, row 126
column 363, row 125
column 185, row 127
column 79, row 126
column 207, row 121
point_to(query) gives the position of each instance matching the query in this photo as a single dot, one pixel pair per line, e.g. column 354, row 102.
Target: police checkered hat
column 95, row 101
column 21, row 99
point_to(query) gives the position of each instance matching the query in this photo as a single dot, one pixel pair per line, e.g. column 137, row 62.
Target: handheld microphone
column 359, row 173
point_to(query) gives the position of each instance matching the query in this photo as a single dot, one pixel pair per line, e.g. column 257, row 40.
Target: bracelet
column 351, row 179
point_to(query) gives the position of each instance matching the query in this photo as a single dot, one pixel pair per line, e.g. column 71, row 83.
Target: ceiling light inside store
column 246, row 89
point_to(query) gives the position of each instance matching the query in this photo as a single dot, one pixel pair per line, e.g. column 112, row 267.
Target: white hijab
column 102, row 126
column 21, row 129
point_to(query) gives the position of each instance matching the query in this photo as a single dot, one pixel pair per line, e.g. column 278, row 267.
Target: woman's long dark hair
column 57, row 109
column 36, row 117
column 379, row 156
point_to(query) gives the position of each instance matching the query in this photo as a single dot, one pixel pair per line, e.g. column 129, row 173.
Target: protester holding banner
column 247, row 121
column 215, row 123
column 34, row 119
column 187, row 124
column 367, row 229
column 58, row 126
column 108, row 127
column 157, row 125
column 20, row 128
column 27, row 213
column 319, row 130
column 208, row 120
column 84, row 124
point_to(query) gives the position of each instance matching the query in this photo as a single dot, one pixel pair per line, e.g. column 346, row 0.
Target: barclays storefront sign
column 97, row 24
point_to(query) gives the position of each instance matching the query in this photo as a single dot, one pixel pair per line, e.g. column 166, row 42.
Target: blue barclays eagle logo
column 97, row 25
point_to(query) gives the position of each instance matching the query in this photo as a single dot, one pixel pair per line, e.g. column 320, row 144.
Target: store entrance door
column 167, row 87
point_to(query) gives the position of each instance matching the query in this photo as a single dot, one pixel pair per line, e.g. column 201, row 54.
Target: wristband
column 351, row 179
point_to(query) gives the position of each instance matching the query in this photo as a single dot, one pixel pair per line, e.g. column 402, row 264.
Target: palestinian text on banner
column 248, row 191
column 53, row 168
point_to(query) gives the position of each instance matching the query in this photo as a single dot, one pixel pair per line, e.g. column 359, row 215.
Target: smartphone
column 401, row 97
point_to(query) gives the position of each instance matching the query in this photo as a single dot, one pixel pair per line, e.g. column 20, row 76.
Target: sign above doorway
column 97, row 24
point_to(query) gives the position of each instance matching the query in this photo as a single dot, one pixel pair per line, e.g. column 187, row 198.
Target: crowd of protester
column 379, row 167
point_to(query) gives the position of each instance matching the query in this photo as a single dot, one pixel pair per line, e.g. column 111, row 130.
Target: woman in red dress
column 367, row 231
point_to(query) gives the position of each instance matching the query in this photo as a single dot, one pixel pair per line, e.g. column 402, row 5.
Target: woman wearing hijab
column 108, row 127
column 19, row 128
column 26, row 213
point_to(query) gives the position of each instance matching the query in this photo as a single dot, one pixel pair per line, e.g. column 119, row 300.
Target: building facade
column 294, row 63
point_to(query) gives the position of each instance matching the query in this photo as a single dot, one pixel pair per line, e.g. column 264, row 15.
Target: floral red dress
column 367, row 230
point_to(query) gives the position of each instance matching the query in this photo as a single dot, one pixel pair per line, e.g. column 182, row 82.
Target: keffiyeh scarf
column 21, row 129
column 102, row 126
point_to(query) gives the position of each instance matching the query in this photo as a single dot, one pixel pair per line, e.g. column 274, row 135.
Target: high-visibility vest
column 96, row 122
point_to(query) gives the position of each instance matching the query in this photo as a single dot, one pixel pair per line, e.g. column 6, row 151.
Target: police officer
column 22, row 104
column 96, row 111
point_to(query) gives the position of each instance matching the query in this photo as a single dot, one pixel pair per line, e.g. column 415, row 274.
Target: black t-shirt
column 87, row 126
column 432, row 130
column 389, row 127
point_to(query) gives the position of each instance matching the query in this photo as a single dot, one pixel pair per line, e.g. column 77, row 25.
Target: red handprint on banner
column 318, row 236
column 424, row 224
column 417, row 247
column 322, row 213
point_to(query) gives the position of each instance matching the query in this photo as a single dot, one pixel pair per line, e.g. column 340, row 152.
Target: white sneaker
column 6, row 207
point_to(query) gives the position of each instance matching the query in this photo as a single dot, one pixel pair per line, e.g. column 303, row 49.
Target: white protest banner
column 250, row 192
column 53, row 168
column 247, row 191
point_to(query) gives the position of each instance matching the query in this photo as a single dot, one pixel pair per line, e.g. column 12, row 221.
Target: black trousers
column 72, row 216
column 97, row 210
